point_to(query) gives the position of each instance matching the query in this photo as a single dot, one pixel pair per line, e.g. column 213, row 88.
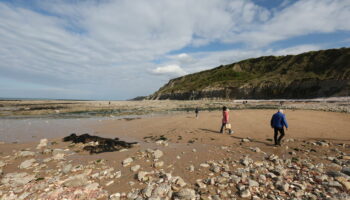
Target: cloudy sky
column 120, row 49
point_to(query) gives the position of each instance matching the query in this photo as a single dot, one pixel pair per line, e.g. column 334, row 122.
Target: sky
column 120, row 49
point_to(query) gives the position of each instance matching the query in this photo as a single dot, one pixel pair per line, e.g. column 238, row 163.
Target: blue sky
column 120, row 49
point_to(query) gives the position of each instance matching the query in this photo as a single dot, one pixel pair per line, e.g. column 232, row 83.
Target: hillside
column 313, row 74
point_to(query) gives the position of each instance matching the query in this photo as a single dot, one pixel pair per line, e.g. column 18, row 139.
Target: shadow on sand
column 239, row 138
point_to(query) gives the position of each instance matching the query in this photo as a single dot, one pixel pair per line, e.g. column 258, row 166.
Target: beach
column 191, row 148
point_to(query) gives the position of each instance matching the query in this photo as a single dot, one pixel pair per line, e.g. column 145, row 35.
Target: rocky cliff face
column 314, row 74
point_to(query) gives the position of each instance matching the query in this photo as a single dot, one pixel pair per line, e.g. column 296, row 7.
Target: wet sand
column 194, row 141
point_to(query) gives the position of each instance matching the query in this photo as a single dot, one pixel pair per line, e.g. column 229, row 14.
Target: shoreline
column 192, row 154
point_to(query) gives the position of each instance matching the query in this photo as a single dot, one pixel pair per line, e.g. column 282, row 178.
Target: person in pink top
column 225, row 119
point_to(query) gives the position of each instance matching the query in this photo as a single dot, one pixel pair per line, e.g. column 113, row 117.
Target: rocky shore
column 47, row 172
column 183, row 157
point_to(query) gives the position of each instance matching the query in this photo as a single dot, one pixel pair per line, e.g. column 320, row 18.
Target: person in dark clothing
column 278, row 122
column 196, row 111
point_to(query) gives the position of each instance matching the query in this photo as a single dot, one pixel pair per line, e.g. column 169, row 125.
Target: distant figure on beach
column 225, row 120
column 197, row 112
column 278, row 122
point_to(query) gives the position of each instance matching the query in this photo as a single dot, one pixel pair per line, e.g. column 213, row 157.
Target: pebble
column 27, row 163
column 135, row 168
column 126, row 162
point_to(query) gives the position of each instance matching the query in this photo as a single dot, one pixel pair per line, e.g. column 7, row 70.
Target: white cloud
column 97, row 46
column 171, row 70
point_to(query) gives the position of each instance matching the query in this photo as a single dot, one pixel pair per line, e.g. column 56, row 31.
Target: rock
column 191, row 168
column 179, row 181
column 76, row 181
column 59, row 156
column 185, row 194
column 245, row 194
column 344, row 182
column 26, row 164
column 17, row 179
column 58, row 151
column 135, row 168
column 255, row 149
column 25, row 153
column 147, row 191
column 282, row 186
column 2, row 163
column 42, row 143
column 109, row 183
column 245, row 140
column 200, row 184
column 142, row 176
column 334, row 174
column 205, row 165
column 115, row 196
column 158, row 164
column 161, row 190
column 157, row 154
column 246, row 161
column 67, row 168
column 253, row 183
column 126, row 162
column 346, row 170
column 117, row 174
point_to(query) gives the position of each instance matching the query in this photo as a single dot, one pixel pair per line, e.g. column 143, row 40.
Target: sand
column 193, row 141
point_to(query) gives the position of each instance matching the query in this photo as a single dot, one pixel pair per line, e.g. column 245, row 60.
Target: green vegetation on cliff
column 307, row 75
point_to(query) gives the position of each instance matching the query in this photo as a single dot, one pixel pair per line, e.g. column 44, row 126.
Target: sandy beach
column 191, row 149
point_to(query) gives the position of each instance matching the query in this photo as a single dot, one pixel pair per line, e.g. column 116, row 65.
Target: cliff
column 313, row 74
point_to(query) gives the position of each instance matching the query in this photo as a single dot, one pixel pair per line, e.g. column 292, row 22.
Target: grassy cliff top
column 320, row 65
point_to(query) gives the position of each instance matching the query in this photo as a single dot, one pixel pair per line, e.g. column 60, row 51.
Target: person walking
column 197, row 112
column 278, row 122
column 225, row 120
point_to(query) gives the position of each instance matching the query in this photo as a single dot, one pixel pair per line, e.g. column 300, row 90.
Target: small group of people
column 278, row 122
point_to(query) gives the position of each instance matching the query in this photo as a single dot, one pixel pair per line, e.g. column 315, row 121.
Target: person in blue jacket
column 278, row 122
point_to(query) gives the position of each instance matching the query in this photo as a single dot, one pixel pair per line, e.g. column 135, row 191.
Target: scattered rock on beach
column 126, row 162
column 27, row 163
column 42, row 143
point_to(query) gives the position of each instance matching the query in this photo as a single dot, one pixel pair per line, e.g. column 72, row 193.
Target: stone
column 159, row 164
column 161, row 190
column 17, row 179
column 179, row 181
column 205, row 165
column 346, row 170
column 109, row 183
column 115, row 196
column 282, row 186
column 57, row 151
column 126, row 162
column 191, row 168
column 76, row 181
column 200, row 184
column 253, row 183
column 344, row 182
column 42, row 143
column 147, row 191
column 245, row 194
column 246, row 161
column 59, row 156
column 26, row 154
column 185, row 194
column 142, row 176
column 135, row 168
column 245, row 140
column 117, row 174
column 67, row 168
column 2, row 163
column 27, row 163
column 157, row 154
